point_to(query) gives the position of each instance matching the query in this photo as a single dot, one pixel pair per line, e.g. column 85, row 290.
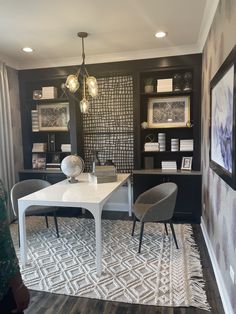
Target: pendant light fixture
column 73, row 81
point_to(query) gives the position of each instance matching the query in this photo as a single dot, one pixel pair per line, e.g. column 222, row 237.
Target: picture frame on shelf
column 168, row 112
column 53, row 117
column 186, row 163
column 222, row 117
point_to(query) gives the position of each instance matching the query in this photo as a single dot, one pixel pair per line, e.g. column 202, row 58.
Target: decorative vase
column 96, row 161
column 148, row 89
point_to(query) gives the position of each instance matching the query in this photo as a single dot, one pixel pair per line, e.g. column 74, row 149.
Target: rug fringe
column 195, row 275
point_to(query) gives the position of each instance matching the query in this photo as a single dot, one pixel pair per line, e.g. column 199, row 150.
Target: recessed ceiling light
column 160, row 34
column 27, row 49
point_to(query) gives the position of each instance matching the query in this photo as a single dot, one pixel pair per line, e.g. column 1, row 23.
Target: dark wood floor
column 48, row 303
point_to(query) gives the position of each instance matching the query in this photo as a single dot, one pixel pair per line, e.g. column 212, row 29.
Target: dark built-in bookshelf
column 81, row 137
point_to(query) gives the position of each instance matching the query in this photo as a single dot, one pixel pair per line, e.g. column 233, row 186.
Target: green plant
column 148, row 81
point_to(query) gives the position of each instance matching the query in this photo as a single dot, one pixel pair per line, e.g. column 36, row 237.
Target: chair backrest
column 162, row 200
column 24, row 188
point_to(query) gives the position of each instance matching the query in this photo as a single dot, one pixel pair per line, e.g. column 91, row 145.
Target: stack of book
column 66, row 147
column 53, row 166
column 165, row 85
column 35, row 120
column 103, row 174
column 151, row 147
column 168, row 165
column 186, row 145
column 39, row 147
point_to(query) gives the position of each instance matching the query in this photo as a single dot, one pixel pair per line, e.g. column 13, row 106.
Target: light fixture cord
column 83, row 54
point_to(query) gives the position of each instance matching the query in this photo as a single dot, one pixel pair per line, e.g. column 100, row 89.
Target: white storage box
column 49, row 92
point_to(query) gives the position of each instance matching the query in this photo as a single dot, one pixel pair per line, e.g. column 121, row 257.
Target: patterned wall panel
column 108, row 128
column 219, row 199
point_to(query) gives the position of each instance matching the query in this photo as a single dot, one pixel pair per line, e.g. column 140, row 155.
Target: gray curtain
column 7, row 167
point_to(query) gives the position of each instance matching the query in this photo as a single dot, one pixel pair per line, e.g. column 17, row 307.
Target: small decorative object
column 148, row 85
column 144, row 125
column 150, row 138
column 187, row 81
column 96, row 161
column 171, row 112
column 72, row 166
column 177, row 82
column 186, row 163
column 37, row 94
column 109, row 162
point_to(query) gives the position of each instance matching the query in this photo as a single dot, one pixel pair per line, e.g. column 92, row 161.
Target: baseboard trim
column 219, row 279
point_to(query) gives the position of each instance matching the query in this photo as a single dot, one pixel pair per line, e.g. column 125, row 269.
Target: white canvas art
column 222, row 121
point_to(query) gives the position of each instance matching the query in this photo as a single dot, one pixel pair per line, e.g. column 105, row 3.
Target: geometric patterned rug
column 161, row 275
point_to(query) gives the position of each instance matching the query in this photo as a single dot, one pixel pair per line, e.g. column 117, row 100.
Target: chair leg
column 141, row 237
column 46, row 219
column 56, row 225
column 166, row 229
column 134, row 222
column 173, row 232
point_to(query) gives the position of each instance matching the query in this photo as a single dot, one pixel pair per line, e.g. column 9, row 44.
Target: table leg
column 23, row 243
column 98, row 234
column 129, row 197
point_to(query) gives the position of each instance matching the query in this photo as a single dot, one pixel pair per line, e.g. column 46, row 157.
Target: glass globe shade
column 93, row 92
column 72, row 83
column 84, row 105
column 91, row 81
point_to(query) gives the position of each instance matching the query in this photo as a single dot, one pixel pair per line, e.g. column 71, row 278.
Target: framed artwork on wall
column 168, row 112
column 53, row 117
column 222, row 121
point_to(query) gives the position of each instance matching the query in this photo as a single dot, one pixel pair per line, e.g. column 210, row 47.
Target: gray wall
column 219, row 199
column 16, row 119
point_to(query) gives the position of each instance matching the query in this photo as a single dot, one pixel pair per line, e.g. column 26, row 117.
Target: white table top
column 74, row 194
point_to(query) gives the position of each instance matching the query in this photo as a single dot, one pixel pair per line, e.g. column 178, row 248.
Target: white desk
column 82, row 194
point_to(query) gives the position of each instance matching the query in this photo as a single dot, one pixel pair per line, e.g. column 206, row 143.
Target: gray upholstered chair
column 26, row 187
column 156, row 205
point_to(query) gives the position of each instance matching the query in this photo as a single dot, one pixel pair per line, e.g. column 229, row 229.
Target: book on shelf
column 38, row 161
column 66, row 148
column 186, row 145
column 53, row 166
column 39, row 147
column 168, row 165
column 35, row 120
column 151, row 147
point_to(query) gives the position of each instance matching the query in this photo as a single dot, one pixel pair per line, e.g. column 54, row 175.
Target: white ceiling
column 118, row 30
